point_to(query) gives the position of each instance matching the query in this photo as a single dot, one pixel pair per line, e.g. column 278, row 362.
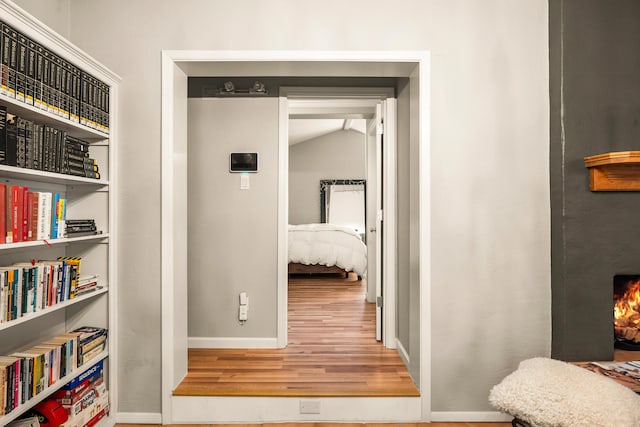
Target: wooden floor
column 326, row 425
column 332, row 351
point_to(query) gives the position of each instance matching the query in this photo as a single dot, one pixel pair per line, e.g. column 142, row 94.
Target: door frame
column 329, row 101
column 177, row 66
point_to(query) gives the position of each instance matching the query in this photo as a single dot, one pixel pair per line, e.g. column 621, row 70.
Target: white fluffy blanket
column 328, row 244
column 550, row 393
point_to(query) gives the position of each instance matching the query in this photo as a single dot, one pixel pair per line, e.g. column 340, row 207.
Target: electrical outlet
column 244, row 298
column 309, row 406
column 243, row 312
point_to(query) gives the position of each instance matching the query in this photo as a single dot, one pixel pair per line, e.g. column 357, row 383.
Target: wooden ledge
column 615, row 171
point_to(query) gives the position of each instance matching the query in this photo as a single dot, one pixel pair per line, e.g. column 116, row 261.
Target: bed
column 326, row 248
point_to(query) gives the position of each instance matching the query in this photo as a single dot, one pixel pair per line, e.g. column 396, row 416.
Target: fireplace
column 626, row 311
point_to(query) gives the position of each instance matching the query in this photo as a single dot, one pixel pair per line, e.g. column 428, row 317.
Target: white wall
column 338, row 155
column 54, row 13
column 489, row 162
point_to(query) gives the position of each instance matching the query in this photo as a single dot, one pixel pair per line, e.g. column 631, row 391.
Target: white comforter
column 328, row 244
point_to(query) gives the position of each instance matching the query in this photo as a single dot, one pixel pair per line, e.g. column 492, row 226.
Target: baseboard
column 465, row 416
column 139, row 418
column 250, row 410
column 403, row 353
column 232, row 342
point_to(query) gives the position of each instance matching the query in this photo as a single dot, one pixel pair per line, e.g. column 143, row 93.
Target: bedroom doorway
column 345, row 128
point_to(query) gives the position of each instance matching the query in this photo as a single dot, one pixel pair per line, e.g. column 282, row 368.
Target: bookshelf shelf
column 33, row 113
column 60, row 306
column 12, row 172
column 4, row 420
column 65, row 78
column 52, row 242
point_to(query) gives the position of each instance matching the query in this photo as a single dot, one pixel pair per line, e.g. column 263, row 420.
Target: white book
column 44, row 215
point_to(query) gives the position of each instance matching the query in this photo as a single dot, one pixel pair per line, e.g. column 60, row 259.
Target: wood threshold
column 332, row 352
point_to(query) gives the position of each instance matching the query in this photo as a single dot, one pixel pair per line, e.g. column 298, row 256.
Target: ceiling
column 301, row 130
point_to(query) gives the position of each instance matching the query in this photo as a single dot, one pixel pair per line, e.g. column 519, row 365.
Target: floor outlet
column 309, row 406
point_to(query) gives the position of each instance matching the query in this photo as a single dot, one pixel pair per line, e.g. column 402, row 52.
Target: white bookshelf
column 86, row 198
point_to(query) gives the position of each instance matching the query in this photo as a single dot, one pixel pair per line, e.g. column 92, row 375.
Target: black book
column 3, row 134
column 21, row 131
column 12, row 141
column 31, row 71
column 10, row 60
column 21, row 71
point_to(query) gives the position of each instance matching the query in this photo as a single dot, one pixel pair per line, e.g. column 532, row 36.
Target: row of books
column 36, row 76
column 30, row 287
column 31, row 145
column 37, row 215
column 26, row 373
column 83, row 402
column 30, row 215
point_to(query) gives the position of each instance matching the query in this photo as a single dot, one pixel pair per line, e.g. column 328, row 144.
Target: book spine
column 24, row 199
column 9, row 214
column 3, row 134
column 3, row 216
column 11, row 130
column 16, row 213
column 21, row 70
column 33, row 215
column 55, row 215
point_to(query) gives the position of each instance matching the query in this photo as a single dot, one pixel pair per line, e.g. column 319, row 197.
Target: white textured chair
column 545, row 392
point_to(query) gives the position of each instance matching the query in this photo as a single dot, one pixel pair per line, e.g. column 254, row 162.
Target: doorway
column 177, row 66
column 375, row 108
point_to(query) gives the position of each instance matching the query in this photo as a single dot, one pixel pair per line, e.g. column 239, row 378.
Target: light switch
column 244, row 181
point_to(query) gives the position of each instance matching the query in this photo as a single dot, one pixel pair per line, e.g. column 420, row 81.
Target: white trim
column 412, row 64
column 402, row 352
column 390, row 225
column 210, row 410
column 139, row 417
column 470, row 417
column 232, row 342
column 315, row 102
column 283, row 221
column 424, row 182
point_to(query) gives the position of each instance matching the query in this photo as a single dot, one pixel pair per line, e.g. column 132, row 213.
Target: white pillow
column 549, row 393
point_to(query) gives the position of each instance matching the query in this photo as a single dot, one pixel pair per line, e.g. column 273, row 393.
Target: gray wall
column 489, row 155
column 232, row 233
column 338, row 155
column 595, row 87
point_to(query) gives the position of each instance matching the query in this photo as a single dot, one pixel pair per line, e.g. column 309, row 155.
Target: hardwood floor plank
column 332, row 351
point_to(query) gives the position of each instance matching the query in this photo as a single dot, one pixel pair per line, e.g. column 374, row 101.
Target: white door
column 375, row 140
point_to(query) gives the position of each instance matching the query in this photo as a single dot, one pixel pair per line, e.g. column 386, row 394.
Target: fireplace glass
column 626, row 311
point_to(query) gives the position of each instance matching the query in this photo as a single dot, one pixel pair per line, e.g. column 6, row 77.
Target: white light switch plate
column 244, row 181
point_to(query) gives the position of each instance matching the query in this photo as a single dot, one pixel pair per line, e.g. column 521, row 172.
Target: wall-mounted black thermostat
column 243, row 162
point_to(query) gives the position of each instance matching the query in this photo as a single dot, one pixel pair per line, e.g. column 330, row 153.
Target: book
column 625, row 373
column 16, row 213
column 3, row 216
column 90, row 375
column 44, row 216
column 3, row 134
column 89, row 333
column 8, row 213
column 11, row 136
column 74, row 272
column 25, row 215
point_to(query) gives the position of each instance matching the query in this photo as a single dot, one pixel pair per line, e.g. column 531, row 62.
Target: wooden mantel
column 616, row 171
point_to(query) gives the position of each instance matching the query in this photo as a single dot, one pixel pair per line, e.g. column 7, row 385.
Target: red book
column 8, row 214
column 33, row 215
column 3, row 214
column 25, row 213
column 16, row 213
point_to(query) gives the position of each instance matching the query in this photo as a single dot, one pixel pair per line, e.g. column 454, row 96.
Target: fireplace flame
column 626, row 311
